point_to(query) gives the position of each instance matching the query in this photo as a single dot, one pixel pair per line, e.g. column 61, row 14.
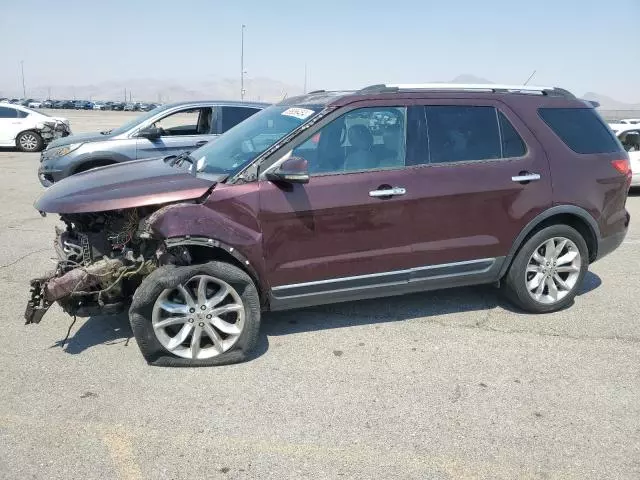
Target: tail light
column 623, row 166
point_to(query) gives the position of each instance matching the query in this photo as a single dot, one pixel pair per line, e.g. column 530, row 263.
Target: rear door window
column 6, row 112
column 463, row 133
column 581, row 129
column 231, row 116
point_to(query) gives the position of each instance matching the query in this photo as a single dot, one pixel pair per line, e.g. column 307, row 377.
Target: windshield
column 136, row 121
column 238, row 147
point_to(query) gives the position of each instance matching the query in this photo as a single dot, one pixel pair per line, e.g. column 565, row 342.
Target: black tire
column 35, row 143
column 140, row 313
column 515, row 281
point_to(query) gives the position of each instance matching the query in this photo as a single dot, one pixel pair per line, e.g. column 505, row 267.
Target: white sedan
column 28, row 130
column 629, row 136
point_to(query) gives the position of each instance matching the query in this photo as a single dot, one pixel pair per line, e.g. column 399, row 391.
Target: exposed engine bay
column 102, row 258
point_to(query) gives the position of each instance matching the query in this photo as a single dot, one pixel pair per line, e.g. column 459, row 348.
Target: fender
column 237, row 233
column 556, row 210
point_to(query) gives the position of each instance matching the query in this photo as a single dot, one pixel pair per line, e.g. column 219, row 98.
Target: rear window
column 580, row 129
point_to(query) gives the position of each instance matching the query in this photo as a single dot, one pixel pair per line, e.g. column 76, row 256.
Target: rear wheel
column 548, row 270
column 29, row 141
column 201, row 315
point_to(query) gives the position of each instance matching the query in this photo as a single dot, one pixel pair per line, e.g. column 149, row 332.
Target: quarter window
column 368, row 138
column 581, row 129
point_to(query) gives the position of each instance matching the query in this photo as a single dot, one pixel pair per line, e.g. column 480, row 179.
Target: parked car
column 4, row 100
column 131, row 107
column 168, row 130
column 302, row 204
column 48, row 104
column 35, row 104
column 629, row 136
column 117, row 106
column 83, row 105
column 101, row 106
column 630, row 121
column 28, row 130
column 146, row 107
column 64, row 104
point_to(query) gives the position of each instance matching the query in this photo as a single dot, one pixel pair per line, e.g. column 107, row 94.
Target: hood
column 81, row 138
column 124, row 185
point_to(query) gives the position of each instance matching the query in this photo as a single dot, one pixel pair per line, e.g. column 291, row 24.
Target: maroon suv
column 336, row 196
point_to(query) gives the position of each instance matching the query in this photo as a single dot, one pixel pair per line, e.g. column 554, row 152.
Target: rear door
column 184, row 130
column 481, row 177
column 10, row 124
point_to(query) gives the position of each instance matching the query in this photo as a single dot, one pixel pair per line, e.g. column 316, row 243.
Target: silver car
column 164, row 131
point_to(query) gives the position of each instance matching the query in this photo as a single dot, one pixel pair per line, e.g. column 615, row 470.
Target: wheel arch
column 93, row 163
column 205, row 249
column 571, row 215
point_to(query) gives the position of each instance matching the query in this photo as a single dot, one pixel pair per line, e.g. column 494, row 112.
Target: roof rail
column 478, row 87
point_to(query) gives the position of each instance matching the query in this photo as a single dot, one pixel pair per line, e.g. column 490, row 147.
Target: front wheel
column 200, row 315
column 548, row 270
column 29, row 141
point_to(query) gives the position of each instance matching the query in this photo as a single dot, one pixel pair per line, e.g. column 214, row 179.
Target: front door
column 347, row 228
column 182, row 131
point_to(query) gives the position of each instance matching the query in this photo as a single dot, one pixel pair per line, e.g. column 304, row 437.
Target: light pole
column 24, row 89
column 242, row 63
column 305, row 78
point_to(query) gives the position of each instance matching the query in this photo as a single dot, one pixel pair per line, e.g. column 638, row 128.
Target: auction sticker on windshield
column 300, row 113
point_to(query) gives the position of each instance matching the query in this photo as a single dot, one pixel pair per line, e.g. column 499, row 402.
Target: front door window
column 196, row 121
column 370, row 138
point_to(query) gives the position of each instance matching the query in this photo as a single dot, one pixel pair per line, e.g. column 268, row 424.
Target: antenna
column 530, row 77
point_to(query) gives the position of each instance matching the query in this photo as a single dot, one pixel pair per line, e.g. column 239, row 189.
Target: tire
column 526, row 271
column 29, row 141
column 152, row 340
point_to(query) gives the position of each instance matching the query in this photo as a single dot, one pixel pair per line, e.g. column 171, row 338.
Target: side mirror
column 292, row 170
column 150, row 132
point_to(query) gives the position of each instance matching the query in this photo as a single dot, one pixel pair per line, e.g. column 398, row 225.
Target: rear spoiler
column 593, row 103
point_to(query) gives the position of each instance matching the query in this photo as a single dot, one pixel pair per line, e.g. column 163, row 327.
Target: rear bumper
column 608, row 244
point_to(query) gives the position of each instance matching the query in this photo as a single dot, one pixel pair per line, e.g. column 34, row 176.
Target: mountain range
column 257, row 89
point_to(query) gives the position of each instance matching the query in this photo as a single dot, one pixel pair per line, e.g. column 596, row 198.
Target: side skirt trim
column 397, row 282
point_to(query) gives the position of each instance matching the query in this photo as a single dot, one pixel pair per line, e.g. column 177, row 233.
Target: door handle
column 525, row 177
column 388, row 192
column 201, row 143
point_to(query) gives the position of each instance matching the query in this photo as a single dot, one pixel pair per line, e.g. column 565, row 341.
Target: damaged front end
column 102, row 258
column 52, row 130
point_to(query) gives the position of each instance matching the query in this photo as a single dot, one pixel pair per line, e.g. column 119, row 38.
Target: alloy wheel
column 28, row 141
column 553, row 270
column 202, row 318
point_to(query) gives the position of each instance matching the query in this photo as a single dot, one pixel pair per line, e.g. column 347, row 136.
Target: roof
column 338, row 98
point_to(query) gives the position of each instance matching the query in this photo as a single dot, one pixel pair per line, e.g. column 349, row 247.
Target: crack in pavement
column 23, row 257
column 481, row 325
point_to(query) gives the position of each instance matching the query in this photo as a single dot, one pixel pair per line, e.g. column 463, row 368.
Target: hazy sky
column 582, row 45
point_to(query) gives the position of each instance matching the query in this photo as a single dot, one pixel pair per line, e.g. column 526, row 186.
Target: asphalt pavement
column 452, row 384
